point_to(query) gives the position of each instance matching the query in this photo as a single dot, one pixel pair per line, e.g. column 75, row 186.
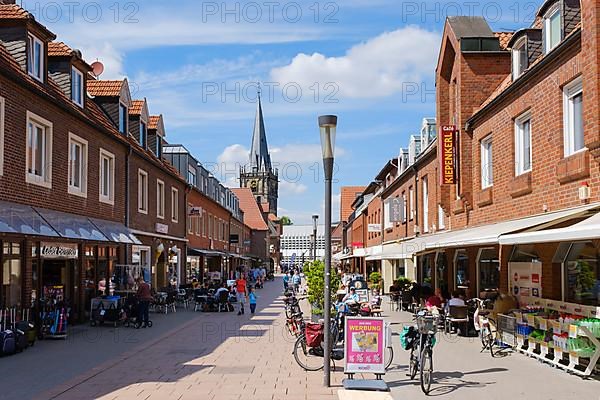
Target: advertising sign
column 161, row 228
column 396, row 209
column 374, row 228
column 448, row 155
column 364, row 345
column 363, row 295
column 525, row 279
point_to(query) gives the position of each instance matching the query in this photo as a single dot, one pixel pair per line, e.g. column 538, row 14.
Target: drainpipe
column 127, row 199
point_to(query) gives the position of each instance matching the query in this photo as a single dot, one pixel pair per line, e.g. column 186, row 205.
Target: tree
column 315, row 278
column 286, row 221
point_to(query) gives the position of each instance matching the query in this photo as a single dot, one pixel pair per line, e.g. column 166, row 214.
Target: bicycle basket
column 314, row 334
column 427, row 324
column 408, row 337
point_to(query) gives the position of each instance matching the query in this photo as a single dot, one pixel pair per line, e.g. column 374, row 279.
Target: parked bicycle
column 308, row 348
column 421, row 339
column 484, row 325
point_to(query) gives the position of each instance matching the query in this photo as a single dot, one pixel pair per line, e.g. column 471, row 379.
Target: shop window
column 89, row 276
column 524, row 253
column 441, row 265
column 11, row 275
column 489, row 270
column 582, row 274
column 39, row 151
column 427, row 265
column 461, row 265
column 573, row 117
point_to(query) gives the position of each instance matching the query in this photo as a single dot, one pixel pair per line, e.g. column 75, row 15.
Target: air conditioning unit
column 585, row 192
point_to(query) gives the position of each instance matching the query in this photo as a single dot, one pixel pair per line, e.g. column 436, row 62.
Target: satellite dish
column 97, row 68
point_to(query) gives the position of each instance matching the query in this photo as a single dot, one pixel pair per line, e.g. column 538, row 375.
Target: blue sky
column 371, row 62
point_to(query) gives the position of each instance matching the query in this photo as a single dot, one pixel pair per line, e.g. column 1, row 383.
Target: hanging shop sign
column 448, row 155
column 526, row 278
column 59, row 250
column 396, row 210
column 364, row 345
column 195, row 211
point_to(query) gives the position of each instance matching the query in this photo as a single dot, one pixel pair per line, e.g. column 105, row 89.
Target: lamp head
column 328, row 127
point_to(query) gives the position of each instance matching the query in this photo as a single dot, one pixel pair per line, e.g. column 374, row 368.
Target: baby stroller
column 130, row 314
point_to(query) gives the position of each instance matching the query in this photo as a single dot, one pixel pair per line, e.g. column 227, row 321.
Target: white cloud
column 292, row 187
column 381, row 66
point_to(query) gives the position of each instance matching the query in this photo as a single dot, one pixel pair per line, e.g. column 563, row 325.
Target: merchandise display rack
column 574, row 362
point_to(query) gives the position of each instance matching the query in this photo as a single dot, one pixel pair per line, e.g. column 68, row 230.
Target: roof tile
column 153, row 123
column 101, row 88
column 504, row 38
column 59, row 49
column 252, row 215
column 136, row 107
column 13, row 11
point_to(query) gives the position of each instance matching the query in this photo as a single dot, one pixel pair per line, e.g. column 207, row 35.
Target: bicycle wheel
column 389, row 357
column 413, row 365
column 426, row 369
column 307, row 358
column 493, row 331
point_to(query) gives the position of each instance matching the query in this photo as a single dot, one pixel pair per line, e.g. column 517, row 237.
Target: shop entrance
column 58, row 280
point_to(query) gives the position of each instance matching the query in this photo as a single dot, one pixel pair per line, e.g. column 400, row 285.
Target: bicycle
column 421, row 353
column 485, row 325
column 312, row 358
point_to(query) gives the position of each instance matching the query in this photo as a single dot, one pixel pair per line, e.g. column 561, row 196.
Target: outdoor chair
column 182, row 298
column 457, row 315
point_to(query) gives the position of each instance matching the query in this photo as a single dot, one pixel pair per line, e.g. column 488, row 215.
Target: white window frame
column 441, row 218
column 425, row 204
column 106, row 155
column 388, row 224
column 487, row 162
column 142, row 192
column 192, row 172
column 2, row 113
column 77, row 73
column 174, row 204
column 204, row 223
column 547, row 31
column 404, row 208
column 83, row 144
column 519, row 144
column 570, row 91
column 125, row 118
column 160, row 199
column 411, row 203
column 516, row 58
column 45, row 179
column 32, row 41
column 190, row 220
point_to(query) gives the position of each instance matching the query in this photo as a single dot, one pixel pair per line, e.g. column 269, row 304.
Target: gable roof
column 14, row 12
column 98, row 88
column 252, row 216
column 59, row 49
column 470, row 27
column 136, row 107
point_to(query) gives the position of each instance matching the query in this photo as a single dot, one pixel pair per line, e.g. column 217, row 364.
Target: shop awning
column 490, row 234
column 21, row 219
column 205, row 253
column 378, row 257
column 72, row 226
column 115, row 231
column 587, row 229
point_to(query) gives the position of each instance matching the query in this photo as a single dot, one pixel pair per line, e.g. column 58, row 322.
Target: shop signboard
column 396, row 210
column 363, row 295
column 59, row 250
column 448, row 154
column 215, row 275
column 364, row 345
column 161, row 228
column 525, row 279
column 374, row 228
column 234, row 238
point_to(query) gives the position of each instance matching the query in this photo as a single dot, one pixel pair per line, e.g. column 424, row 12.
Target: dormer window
column 35, row 58
column 143, row 134
column 552, row 28
column 77, row 87
column 519, row 58
column 123, row 118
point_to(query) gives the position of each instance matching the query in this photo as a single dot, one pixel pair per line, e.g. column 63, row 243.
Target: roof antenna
column 258, row 90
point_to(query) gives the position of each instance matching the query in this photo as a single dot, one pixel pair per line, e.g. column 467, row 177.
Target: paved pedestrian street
column 191, row 355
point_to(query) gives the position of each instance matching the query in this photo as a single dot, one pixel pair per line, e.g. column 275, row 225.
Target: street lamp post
column 315, row 219
column 328, row 127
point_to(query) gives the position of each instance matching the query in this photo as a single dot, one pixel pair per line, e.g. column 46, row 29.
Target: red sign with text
column 448, row 145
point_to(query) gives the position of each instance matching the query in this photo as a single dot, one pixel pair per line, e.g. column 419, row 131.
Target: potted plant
column 315, row 278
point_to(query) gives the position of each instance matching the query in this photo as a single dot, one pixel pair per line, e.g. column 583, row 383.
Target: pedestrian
column 144, row 297
column 240, row 290
column 296, row 280
column 286, row 282
column 252, row 300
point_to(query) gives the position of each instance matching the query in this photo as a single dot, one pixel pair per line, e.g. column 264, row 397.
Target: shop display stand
column 546, row 352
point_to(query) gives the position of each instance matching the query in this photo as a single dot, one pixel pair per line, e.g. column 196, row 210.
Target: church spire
column 259, row 153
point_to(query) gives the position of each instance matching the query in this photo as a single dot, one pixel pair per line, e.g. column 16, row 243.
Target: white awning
column 378, row 257
column 490, row 234
column 403, row 250
column 585, row 230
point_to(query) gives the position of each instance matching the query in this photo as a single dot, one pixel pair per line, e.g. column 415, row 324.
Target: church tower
column 259, row 174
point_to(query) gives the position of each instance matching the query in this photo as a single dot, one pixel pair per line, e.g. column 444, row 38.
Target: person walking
column 252, row 300
column 241, row 294
column 296, row 280
column 144, row 297
column 286, row 282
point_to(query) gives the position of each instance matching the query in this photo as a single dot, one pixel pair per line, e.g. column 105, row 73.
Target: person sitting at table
column 435, row 300
column 456, row 300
